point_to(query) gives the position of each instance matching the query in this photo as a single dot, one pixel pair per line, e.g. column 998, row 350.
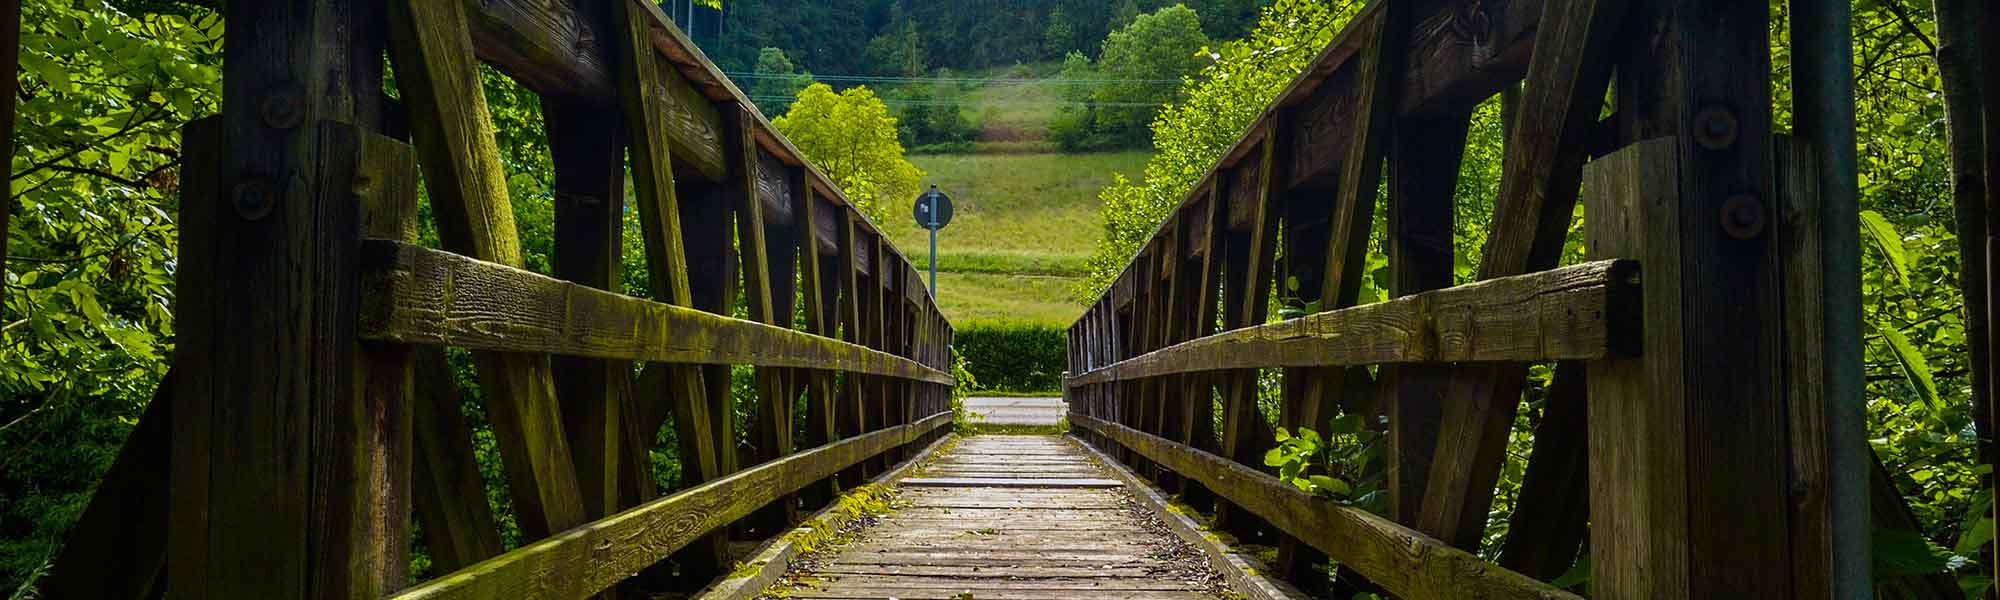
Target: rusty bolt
column 284, row 107
column 1715, row 128
column 253, row 199
column 1743, row 216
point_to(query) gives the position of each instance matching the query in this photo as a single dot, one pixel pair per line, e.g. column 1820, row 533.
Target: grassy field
column 1024, row 225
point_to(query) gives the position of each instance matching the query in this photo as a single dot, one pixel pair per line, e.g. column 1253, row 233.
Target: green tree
column 851, row 136
column 87, row 319
column 1136, row 75
column 775, row 82
column 1189, row 136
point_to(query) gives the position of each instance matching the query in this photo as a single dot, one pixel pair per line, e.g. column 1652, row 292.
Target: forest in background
column 87, row 326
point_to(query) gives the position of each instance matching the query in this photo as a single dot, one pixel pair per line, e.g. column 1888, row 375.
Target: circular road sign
column 922, row 210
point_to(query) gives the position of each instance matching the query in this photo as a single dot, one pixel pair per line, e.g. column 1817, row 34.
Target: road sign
column 922, row 210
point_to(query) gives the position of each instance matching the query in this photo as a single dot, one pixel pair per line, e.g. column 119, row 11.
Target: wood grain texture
column 1637, row 430
column 453, row 131
column 1541, row 173
column 1403, row 561
column 450, row 497
column 1573, row 313
column 593, row 557
column 547, row 46
column 429, row 297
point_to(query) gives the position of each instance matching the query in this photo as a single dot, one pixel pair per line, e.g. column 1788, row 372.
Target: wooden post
column 771, row 431
column 645, row 108
column 289, row 467
column 453, row 131
column 1250, row 255
column 853, row 404
column 586, row 148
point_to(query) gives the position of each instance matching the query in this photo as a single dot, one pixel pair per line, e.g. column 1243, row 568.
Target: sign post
column 933, row 212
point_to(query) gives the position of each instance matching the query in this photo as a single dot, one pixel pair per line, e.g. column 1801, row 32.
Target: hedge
column 1014, row 357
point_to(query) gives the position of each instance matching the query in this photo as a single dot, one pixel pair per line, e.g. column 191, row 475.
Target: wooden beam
column 450, row 497
column 1542, row 171
column 748, row 198
column 597, row 555
column 1552, row 509
column 1572, row 313
column 1403, row 561
column 454, row 136
column 118, row 549
column 586, row 147
column 430, row 297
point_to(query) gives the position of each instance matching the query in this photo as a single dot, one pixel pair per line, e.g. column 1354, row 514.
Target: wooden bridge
column 1701, row 436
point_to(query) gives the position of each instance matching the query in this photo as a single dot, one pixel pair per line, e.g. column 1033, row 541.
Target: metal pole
column 934, row 256
column 1823, row 69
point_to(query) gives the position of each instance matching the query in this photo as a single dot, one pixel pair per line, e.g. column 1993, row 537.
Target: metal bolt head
column 1715, row 128
column 284, row 107
column 1743, row 216
column 253, row 199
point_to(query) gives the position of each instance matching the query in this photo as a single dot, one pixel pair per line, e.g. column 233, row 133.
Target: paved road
column 1018, row 411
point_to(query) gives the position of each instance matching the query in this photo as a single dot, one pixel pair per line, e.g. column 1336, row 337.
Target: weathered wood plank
column 118, row 548
column 587, row 152
column 453, row 131
column 429, row 297
column 1637, row 431
column 1541, row 173
column 1572, row 313
column 1552, row 510
column 1407, row 563
column 547, row 46
column 450, row 496
column 591, row 558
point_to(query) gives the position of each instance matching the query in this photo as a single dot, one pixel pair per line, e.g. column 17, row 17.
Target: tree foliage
column 1132, row 79
column 852, row 138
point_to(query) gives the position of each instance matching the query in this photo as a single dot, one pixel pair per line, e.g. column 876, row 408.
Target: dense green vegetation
column 1014, row 357
column 1920, row 397
column 86, row 314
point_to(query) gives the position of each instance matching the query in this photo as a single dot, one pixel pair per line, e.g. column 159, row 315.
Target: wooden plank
column 1638, row 430
column 195, row 288
column 546, row 46
column 651, row 156
column 771, row 430
column 118, row 549
column 454, row 136
column 1572, row 313
column 1423, row 166
column 591, row 558
column 1542, row 169
column 429, row 297
column 821, row 282
column 1250, row 261
column 450, row 497
column 1403, row 561
column 1551, row 511
column 1807, row 400
column 1013, row 483
column 587, row 152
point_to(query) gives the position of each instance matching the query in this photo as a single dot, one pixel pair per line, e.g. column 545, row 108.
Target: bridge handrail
column 1722, row 356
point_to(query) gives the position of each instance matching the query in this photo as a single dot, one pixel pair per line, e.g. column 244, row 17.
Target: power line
column 985, row 80
column 899, row 102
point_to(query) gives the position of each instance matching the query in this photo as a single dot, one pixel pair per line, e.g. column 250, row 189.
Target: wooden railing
column 1690, row 431
column 312, row 411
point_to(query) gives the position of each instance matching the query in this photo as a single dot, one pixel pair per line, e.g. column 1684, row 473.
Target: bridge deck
column 1012, row 517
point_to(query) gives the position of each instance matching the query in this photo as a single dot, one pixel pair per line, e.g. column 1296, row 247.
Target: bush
column 1014, row 357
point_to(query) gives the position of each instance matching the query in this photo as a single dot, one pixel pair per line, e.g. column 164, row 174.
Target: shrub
column 1014, row 357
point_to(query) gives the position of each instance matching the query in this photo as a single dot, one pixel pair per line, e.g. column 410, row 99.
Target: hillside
column 1026, row 215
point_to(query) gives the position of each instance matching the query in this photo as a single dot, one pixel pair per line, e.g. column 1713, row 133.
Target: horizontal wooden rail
column 1581, row 312
column 593, row 557
column 1408, row 564
column 417, row 295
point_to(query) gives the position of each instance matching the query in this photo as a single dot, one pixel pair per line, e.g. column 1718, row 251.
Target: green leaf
column 1900, row 553
column 1349, row 423
column 1883, row 236
column 1578, row 574
column 1330, row 485
column 1274, row 457
column 1980, row 534
column 1915, row 368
